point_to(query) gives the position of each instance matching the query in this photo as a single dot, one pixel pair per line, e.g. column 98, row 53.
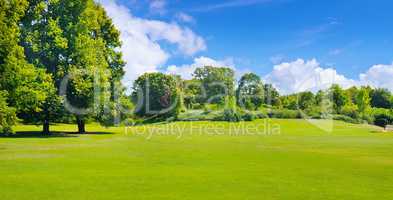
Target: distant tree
column 250, row 91
column 192, row 93
column 381, row 98
column 289, row 101
column 320, row 97
column 217, row 82
column 352, row 93
column 305, row 100
column 156, row 96
column 272, row 97
column 363, row 99
column 338, row 97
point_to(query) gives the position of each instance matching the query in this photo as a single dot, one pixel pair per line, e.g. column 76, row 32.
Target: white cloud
column 157, row 7
column 140, row 37
column 303, row 75
column 277, row 59
column 186, row 71
column 183, row 17
column 378, row 76
column 335, row 52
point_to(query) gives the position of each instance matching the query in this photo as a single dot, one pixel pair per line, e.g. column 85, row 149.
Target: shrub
column 350, row 111
column 156, row 96
column 346, row 119
column 368, row 118
column 285, row 114
column 249, row 117
column 382, row 120
column 199, row 115
column 382, row 117
column 231, row 115
column 261, row 115
column 210, row 107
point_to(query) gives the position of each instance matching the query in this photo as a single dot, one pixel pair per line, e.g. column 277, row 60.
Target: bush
column 262, row 115
column 286, row 114
column 350, row 111
column 210, row 107
column 249, row 117
column 382, row 120
column 346, row 119
column 382, row 117
column 231, row 115
column 199, row 115
column 7, row 116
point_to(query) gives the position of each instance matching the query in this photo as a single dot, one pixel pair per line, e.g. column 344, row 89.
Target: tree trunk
column 45, row 127
column 81, row 125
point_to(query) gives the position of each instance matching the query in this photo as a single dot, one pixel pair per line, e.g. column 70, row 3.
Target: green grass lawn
column 199, row 160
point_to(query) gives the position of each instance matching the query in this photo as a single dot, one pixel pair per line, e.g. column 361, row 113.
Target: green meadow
column 275, row 159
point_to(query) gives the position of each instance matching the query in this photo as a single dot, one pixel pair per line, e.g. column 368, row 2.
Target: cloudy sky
column 296, row 45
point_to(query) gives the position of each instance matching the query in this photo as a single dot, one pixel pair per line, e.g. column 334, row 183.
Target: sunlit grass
column 199, row 160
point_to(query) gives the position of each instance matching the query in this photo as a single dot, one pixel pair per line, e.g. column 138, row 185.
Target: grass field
column 199, row 160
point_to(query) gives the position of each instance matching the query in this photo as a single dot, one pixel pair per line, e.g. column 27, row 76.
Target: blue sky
column 349, row 36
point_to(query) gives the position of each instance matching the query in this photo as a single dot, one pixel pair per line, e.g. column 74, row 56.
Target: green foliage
column 290, row 102
column 28, row 88
column 285, row 114
column 272, row 97
column 156, row 96
column 217, row 82
column 363, row 100
column 7, row 115
column 382, row 117
column 381, row 98
column 199, row 115
column 192, row 94
column 306, row 100
column 261, row 115
column 76, row 39
column 350, row 110
column 250, row 92
column 346, row 119
column 231, row 115
column 249, row 116
column 338, row 97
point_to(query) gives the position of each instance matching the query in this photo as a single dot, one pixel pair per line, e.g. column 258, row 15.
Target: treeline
column 59, row 62
column 214, row 92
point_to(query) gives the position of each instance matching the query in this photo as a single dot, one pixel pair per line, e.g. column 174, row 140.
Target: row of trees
column 162, row 96
column 59, row 60
column 157, row 95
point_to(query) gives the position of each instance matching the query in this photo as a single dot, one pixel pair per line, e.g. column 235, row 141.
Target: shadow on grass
column 93, row 133
column 38, row 134
column 53, row 134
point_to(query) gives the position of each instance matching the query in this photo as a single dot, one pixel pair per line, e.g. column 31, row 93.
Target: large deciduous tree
column 28, row 89
column 218, row 83
column 77, row 43
column 250, row 92
column 156, row 96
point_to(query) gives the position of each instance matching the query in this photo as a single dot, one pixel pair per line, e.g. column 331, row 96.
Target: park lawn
column 199, row 160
